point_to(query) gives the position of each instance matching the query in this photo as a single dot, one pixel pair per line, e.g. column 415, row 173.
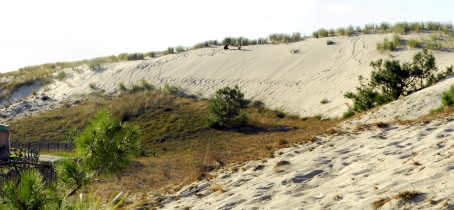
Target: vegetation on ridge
column 390, row 79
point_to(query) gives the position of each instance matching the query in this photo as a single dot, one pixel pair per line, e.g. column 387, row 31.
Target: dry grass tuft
column 379, row 203
column 408, row 196
column 218, row 188
column 382, row 125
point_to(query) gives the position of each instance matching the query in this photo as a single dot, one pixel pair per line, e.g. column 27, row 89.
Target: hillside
column 293, row 77
column 295, row 152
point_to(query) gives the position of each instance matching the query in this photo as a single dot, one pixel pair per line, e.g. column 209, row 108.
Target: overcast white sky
column 41, row 31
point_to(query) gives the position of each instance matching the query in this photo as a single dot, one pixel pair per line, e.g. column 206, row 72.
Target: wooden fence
column 50, row 147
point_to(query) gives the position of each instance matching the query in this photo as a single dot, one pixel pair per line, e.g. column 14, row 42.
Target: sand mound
column 282, row 79
column 349, row 171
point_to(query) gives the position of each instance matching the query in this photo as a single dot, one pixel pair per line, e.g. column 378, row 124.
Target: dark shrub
column 226, row 109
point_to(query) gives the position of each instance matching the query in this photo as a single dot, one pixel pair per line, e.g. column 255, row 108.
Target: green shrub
column 447, row 97
column 151, row 54
column 384, row 27
column 433, row 45
column 390, row 79
column 413, row 43
column 350, row 30
column 72, row 175
column 92, row 86
column 95, row 66
column 27, row 193
column 315, row 34
column 341, row 31
column 170, row 50
column 401, row 28
column 226, row 109
column 106, row 144
column 122, row 87
column 330, row 42
column 369, row 28
column 349, row 113
column 396, row 40
column 331, row 32
column 145, row 85
column 61, row 75
column 135, row 56
column 323, row 33
column 417, row 27
column 180, row 49
column 386, row 46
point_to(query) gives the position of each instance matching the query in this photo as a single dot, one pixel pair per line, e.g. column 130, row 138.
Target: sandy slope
column 348, row 171
column 293, row 82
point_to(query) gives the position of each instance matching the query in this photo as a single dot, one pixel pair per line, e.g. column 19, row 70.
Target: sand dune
column 292, row 82
column 295, row 83
column 348, row 171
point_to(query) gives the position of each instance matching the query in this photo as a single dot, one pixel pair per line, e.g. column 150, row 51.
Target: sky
column 35, row 32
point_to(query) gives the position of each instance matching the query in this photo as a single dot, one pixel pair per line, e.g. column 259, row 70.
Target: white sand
column 348, row 171
column 295, row 83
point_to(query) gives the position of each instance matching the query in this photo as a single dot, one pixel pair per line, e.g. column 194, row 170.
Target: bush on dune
column 390, row 79
column 226, row 109
column 106, row 144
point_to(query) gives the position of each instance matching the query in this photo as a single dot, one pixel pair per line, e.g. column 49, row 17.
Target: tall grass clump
column 447, row 97
column 401, row 28
column 433, row 44
column 396, row 39
column 386, row 45
column 106, row 144
column 413, row 43
column 61, row 75
column 135, row 56
column 226, row 109
column 284, row 38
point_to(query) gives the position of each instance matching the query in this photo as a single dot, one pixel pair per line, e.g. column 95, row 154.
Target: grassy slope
column 178, row 147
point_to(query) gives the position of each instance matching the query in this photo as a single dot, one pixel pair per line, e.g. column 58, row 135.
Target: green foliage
column 447, row 97
column 331, row 32
column 417, row 27
column 61, row 75
column 323, row 33
column 401, row 28
column 27, row 193
column 95, row 66
column 72, row 175
column 315, row 34
column 350, row 30
column 225, row 109
column 386, row 46
column 396, row 39
column 413, row 43
column 384, row 27
column 284, row 38
column 390, row 79
column 349, row 113
column 180, row 49
column 106, row 144
column 135, row 56
column 433, row 45
column 92, row 86
column 170, row 50
column 122, row 87
column 341, row 31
